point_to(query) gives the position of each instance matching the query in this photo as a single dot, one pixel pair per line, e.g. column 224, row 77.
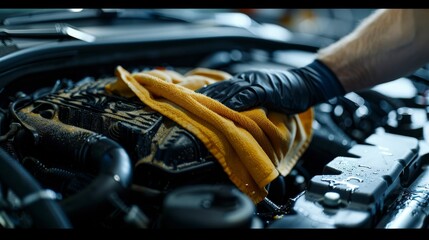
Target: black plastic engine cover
column 361, row 184
column 164, row 154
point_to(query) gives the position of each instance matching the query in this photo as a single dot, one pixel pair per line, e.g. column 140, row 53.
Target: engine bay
column 79, row 147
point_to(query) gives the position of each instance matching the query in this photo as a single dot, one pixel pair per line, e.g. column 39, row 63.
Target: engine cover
column 165, row 155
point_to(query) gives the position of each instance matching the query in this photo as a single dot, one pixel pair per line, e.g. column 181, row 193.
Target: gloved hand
column 289, row 91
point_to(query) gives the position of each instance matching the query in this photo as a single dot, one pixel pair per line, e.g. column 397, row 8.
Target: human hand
column 289, row 91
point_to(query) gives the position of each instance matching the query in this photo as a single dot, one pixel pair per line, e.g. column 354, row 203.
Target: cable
column 46, row 213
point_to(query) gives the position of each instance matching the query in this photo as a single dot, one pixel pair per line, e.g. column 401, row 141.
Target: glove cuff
column 326, row 80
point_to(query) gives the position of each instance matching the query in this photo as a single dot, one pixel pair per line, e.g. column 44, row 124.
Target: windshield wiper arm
column 60, row 30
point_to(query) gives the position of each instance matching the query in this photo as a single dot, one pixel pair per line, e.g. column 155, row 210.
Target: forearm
column 387, row 45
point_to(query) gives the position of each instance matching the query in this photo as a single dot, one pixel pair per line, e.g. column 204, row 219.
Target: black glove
column 290, row 91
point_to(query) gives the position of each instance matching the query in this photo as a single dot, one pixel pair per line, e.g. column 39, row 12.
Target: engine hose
column 56, row 178
column 39, row 169
column 115, row 174
column 86, row 150
column 46, row 213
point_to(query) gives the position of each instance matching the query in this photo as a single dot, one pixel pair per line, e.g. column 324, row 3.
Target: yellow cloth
column 252, row 146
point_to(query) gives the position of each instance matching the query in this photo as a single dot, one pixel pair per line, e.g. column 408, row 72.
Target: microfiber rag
column 253, row 147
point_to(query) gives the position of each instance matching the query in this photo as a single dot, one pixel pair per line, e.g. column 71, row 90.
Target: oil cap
column 208, row 206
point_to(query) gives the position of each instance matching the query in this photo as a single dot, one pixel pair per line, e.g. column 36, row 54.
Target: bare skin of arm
column 387, row 45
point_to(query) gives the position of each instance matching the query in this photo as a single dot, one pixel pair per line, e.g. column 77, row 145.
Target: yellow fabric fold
column 252, row 146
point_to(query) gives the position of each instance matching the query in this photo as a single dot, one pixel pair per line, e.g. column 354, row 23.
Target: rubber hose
column 46, row 213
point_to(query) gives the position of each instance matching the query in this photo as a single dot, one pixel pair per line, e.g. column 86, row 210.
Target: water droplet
column 364, row 166
column 333, row 183
column 354, row 178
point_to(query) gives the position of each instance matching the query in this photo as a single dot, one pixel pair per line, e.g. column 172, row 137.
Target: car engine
column 76, row 156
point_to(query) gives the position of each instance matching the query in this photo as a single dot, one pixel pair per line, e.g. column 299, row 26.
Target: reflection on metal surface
column 75, row 33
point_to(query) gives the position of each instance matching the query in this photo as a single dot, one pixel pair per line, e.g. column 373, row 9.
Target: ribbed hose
column 114, row 174
column 86, row 150
column 46, row 213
